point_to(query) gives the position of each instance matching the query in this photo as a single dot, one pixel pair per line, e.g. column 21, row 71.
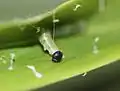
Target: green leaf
column 76, row 48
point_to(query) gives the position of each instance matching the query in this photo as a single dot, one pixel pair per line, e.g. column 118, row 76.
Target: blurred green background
column 10, row 9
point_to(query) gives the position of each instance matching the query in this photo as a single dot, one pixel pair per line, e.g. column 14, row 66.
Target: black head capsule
column 57, row 57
